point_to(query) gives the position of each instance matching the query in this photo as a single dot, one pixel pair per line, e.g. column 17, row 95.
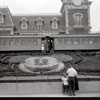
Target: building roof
column 8, row 17
column 5, row 32
column 15, row 20
column 32, row 19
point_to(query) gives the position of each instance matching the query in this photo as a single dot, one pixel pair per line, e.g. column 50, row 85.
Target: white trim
column 77, row 3
column 55, row 18
column 25, row 23
column 3, row 29
column 11, row 32
column 39, row 18
column 52, row 35
column 65, row 36
column 10, row 17
column 39, row 22
column 75, row 7
column 55, row 23
column 89, row 22
column 78, row 14
column 35, row 14
column 23, row 18
column 67, row 21
column 75, row 20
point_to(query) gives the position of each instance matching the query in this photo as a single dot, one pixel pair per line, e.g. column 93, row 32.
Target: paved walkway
column 55, row 95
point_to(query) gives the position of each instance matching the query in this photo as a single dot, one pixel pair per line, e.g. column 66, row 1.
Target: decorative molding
column 89, row 22
column 77, row 2
column 24, row 18
column 73, row 7
column 10, row 17
column 78, row 20
column 55, row 23
column 24, row 23
column 55, row 18
column 66, row 19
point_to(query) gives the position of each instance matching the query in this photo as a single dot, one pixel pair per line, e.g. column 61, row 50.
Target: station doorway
column 47, row 44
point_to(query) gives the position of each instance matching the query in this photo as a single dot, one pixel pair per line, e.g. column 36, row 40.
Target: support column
column 12, row 31
column 66, row 19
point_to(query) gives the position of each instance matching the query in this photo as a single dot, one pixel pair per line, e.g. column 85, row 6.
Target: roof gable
column 8, row 18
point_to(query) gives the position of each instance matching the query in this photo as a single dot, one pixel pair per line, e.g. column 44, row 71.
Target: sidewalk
column 55, row 95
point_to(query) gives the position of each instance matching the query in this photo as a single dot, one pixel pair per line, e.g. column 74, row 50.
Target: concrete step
column 46, row 77
column 55, row 95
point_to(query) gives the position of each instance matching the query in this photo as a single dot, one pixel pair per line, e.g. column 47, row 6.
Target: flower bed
column 37, row 68
column 44, row 65
column 21, row 59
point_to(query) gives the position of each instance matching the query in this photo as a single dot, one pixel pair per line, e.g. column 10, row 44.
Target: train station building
column 70, row 27
column 34, row 49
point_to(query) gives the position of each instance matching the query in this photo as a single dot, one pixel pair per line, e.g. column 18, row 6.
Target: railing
column 95, row 32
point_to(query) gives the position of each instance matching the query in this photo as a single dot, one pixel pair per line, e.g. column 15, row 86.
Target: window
column 60, row 41
column 84, row 40
column 39, row 21
column 78, row 19
column 1, row 17
column 24, row 23
column 55, row 23
column 39, row 24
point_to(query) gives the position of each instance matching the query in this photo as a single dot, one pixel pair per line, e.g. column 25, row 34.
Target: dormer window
column 55, row 23
column 24, row 23
column 39, row 21
column 1, row 17
column 39, row 24
column 78, row 19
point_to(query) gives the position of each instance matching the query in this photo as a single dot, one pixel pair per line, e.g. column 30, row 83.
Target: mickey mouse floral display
column 39, row 65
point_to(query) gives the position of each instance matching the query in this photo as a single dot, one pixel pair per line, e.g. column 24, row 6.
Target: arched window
column 24, row 23
column 1, row 17
column 78, row 19
column 55, row 23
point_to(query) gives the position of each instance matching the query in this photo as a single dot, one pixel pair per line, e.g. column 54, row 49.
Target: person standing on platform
column 65, row 86
column 72, row 74
column 76, row 82
column 43, row 48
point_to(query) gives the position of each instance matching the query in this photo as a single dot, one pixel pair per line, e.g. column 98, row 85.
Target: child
column 43, row 48
column 65, row 86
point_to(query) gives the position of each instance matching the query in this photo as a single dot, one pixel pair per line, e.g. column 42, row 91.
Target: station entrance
column 47, row 44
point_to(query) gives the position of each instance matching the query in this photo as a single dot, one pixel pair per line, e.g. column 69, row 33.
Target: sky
column 49, row 6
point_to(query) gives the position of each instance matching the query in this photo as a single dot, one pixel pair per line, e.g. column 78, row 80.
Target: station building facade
column 68, row 30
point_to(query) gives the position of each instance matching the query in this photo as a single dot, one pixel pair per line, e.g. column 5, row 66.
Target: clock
column 77, row 2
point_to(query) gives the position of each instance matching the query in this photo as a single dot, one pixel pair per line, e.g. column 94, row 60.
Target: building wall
column 78, row 32
column 71, row 12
